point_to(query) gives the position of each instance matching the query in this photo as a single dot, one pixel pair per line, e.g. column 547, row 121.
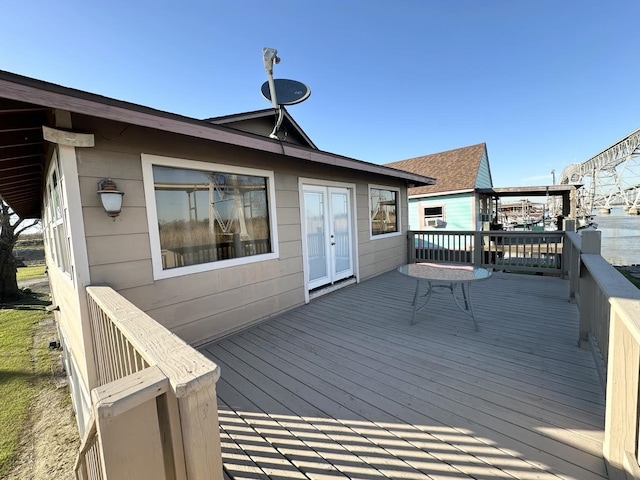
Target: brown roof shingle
column 453, row 170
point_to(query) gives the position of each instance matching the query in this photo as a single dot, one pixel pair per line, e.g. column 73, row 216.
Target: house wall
column 203, row 306
column 483, row 180
column 66, row 271
column 458, row 211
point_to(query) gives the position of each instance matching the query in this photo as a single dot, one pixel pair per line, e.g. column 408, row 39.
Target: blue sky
column 543, row 82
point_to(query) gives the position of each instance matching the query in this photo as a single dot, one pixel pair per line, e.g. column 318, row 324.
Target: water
column 620, row 239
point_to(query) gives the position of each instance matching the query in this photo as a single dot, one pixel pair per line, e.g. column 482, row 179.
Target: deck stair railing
column 154, row 411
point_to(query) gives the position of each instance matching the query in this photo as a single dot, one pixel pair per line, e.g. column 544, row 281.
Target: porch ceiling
column 22, row 155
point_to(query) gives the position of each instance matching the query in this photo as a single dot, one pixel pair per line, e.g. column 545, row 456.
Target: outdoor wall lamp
column 111, row 197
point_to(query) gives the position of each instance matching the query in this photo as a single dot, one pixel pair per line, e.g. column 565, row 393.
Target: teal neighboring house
column 455, row 201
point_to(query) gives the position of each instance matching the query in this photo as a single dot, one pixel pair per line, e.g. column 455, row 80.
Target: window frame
column 55, row 212
column 398, row 212
column 148, row 161
column 424, row 217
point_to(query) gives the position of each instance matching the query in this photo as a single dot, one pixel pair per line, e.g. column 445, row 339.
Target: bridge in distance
column 610, row 178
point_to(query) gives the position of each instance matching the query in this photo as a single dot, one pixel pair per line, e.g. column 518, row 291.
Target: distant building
column 455, row 201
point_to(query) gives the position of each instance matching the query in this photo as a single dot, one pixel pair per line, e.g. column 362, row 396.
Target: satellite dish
column 288, row 92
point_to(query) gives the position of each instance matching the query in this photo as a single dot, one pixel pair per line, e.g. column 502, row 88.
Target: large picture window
column 384, row 209
column 215, row 216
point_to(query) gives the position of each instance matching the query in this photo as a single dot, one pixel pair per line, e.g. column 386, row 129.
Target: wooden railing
column 610, row 325
column 512, row 251
column 154, row 412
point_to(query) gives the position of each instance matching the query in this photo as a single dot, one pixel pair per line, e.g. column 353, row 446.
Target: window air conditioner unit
column 434, row 222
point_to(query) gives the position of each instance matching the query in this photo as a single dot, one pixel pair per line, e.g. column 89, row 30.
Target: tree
column 11, row 226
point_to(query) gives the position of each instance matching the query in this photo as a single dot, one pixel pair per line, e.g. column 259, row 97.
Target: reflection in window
column 384, row 209
column 210, row 216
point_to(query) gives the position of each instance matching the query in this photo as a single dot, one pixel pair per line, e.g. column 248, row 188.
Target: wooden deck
column 344, row 387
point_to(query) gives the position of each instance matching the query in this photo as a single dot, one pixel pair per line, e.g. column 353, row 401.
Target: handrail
column 185, row 367
column 155, row 397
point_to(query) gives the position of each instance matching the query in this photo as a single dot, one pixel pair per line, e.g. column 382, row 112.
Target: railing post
column 591, row 241
column 569, row 225
column 571, row 248
column 621, row 418
column 477, row 248
column 200, row 433
column 411, row 247
column 567, row 255
column 590, row 244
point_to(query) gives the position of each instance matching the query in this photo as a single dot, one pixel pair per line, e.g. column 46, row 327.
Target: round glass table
column 445, row 275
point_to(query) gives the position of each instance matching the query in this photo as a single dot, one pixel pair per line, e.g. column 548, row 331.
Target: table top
column 445, row 272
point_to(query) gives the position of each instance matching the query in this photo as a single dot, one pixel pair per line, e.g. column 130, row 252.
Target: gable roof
column 28, row 104
column 454, row 170
column 242, row 121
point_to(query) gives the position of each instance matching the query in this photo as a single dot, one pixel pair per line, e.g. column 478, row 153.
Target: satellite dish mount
column 280, row 91
column 269, row 57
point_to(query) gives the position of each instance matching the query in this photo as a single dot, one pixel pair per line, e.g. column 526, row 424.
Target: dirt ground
column 50, row 441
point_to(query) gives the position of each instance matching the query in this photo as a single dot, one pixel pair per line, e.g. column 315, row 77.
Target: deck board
column 345, row 387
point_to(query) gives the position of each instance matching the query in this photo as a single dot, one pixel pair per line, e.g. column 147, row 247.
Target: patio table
column 445, row 275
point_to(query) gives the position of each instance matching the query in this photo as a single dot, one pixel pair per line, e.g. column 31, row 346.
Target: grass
column 34, row 271
column 20, row 375
column 631, row 278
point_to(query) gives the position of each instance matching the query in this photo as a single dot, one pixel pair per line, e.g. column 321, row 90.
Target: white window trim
column 148, row 161
column 398, row 212
column 424, row 220
column 51, row 222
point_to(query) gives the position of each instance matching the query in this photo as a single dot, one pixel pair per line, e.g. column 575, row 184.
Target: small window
column 433, row 216
column 207, row 219
column 384, row 211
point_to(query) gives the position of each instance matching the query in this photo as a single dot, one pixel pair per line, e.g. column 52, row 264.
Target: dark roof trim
column 37, row 92
column 444, row 194
column 535, row 190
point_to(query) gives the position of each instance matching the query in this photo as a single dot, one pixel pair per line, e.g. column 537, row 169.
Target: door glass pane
column 340, row 212
column 316, row 253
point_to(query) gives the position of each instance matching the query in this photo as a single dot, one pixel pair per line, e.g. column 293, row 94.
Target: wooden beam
column 64, row 137
column 14, row 154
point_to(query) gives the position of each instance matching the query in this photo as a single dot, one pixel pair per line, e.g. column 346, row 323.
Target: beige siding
column 68, row 317
column 206, row 305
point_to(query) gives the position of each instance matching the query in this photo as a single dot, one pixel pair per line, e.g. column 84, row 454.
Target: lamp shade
column 111, row 197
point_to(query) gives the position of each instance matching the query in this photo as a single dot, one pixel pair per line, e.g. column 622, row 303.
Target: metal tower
column 610, row 178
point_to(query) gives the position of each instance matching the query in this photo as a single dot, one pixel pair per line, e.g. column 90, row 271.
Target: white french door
column 328, row 234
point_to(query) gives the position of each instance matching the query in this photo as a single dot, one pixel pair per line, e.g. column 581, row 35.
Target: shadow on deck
column 344, row 387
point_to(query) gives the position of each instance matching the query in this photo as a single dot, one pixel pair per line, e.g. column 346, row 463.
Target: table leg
column 467, row 301
column 415, row 301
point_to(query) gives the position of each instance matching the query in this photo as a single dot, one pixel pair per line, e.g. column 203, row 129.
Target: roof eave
column 34, row 91
column 441, row 194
